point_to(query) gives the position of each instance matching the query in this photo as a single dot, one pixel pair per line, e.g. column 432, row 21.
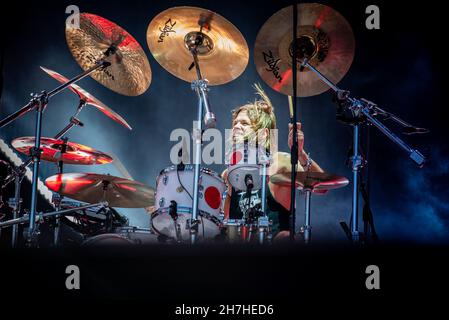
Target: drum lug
column 161, row 202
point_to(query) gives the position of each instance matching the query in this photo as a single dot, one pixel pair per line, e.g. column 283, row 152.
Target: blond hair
column 260, row 112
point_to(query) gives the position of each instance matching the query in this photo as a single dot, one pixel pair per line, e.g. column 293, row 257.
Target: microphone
column 210, row 120
column 249, row 182
column 414, row 130
column 180, row 166
column 173, row 210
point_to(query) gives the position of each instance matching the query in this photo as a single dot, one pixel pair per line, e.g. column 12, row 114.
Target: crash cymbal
column 317, row 181
column 94, row 188
column 223, row 56
column 129, row 73
column 51, row 151
column 324, row 36
column 88, row 98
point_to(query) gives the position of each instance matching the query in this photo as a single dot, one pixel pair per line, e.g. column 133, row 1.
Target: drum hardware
column 204, row 33
column 118, row 61
column 173, row 212
column 364, row 111
column 310, row 183
column 39, row 218
column 18, row 173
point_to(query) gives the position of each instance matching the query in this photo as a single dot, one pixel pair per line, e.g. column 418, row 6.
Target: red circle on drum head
column 212, row 197
column 236, row 157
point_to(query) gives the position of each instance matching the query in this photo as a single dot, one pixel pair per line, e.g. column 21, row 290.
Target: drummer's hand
column 300, row 137
column 150, row 209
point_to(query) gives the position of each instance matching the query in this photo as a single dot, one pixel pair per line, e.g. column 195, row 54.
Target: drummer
column 246, row 120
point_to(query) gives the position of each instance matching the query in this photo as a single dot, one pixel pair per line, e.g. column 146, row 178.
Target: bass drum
column 176, row 186
column 127, row 236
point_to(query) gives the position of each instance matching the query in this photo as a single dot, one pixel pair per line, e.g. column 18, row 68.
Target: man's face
column 241, row 125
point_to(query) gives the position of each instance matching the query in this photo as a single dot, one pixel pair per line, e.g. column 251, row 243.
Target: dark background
column 399, row 67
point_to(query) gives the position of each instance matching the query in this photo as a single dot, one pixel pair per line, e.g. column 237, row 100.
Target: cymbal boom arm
column 369, row 110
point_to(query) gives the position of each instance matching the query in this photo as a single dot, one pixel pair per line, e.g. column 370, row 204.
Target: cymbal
column 93, row 188
column 88, row 98
column 223, row 56
column 317, row 181
column 129, row 73
column 324, row 36
column 51, row 151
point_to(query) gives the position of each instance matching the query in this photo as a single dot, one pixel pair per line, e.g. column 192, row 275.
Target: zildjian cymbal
column 98, row 38
column 223, row 53
column 88, row 98
column 317, row 181
column 75, row 153
column 94, row 188
column 323, row 36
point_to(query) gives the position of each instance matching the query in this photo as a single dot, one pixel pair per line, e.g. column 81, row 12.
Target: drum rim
column 206, row 216
column 190, row 167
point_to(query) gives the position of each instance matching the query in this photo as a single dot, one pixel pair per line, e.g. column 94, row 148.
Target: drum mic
column 249, row 181
column 249, row 185
column 180, row 166
column 173, row 210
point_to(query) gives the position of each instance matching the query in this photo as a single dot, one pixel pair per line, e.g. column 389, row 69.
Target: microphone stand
column 363, row 110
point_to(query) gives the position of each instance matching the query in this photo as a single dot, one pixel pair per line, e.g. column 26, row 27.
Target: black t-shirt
column 275, row 211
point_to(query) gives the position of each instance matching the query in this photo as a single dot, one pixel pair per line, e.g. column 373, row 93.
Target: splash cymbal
column 88, row 98
column 51, row 151
column 223, row 55
column 324, row 36
column 129, row 73
column 93, row 188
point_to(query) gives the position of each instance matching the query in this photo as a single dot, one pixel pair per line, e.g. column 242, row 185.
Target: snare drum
column 177, row 185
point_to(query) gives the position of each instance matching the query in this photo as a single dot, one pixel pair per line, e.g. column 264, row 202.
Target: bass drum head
column 163, row 224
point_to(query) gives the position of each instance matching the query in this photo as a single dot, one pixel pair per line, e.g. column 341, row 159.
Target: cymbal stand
column 39, row 102
column 363, row 110
column 194, row 40
column 18, row 174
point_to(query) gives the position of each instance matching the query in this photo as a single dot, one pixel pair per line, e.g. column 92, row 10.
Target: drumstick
column 290, row 106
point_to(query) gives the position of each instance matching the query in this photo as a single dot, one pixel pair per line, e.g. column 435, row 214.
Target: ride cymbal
column 324, row 37
column 94, row 188
column 129, row 73
column 223, row 54
column 88, row 98
column 51, row 151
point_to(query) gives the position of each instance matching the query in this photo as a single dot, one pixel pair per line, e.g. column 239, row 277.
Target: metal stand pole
column 16, row 208
column 307, row 229
column 200, row 87
column 356, row 160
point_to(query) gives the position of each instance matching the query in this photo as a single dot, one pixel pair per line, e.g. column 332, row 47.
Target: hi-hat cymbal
column 223, row 56
column 129, row 73
column 51, row 151
column 317, row 181
column 323, row 35
column 88, row 98
column 94, row 188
